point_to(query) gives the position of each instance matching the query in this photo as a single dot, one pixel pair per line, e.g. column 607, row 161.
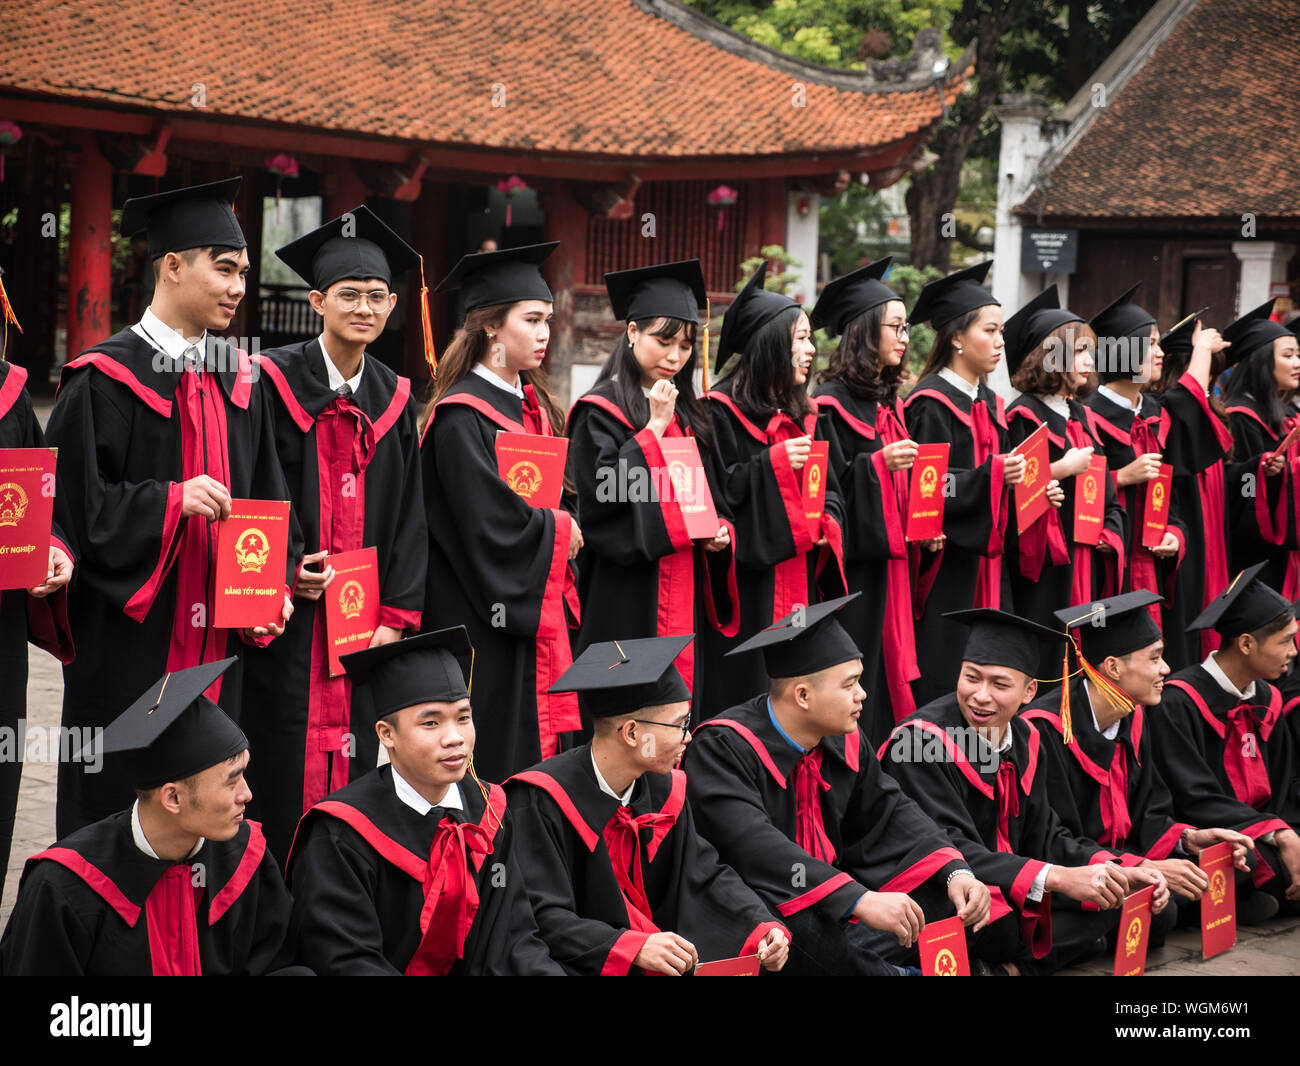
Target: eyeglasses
column 350, row 299
column 900, row 328
column 685, row 727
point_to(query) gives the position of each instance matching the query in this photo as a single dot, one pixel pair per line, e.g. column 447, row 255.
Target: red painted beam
column 90, row 260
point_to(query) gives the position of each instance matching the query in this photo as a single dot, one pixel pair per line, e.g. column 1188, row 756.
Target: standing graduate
column 640, row 572
column 618, row 875
column 952, row 404
column 497, row 565
column 788, row 782
column 871, row 454
column 158, row 428
column 180, row 885
column 408, row 870
column 347, row 436
column 764, row 425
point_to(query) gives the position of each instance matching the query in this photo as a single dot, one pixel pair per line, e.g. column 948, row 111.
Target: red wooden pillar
column 90, row 260
column 566, row 222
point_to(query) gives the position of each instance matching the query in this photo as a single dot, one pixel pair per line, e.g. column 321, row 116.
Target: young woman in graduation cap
column 641, row 573
column 498, row 565
column 952, row 405
column 871, row 454
column 764, row 425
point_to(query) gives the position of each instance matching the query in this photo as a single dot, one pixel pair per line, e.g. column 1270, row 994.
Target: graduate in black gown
column 764, row 426
column 620, row 879
column 871, row 455
column 158, row 428
column 179, row 885
column 975, row 766
column 411, row 868
column 346, row 432
column 640, row 573
column 787, row 782
column 953, row 405
column 498, row 565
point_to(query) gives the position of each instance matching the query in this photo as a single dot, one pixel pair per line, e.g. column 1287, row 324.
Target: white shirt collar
column 407, row 794
column 153, row 329
column 335, row 376
column 487, row 374
column 1059, row 404
column 604, row 785
column 1221, row 679
column 1112, row 730
column 956, row 380
column 1120, row 401
column 142, row 842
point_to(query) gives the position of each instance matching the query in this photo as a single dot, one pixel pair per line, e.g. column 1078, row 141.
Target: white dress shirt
column 1120, row 401
column 957, row 381
column 1212, row 668
column 161, row 337
column 142, row 842
column 407, row 794
column 488, row 375
column 335, row 376
column 604, row 785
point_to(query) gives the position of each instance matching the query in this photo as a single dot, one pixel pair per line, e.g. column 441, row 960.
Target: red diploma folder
column 744, row 966
column 1090, row 502
column 1134, row 931
column 533, row 466
column 925, row 496
column 1155, row 511
column 690, row 486
column 943, row 949
column 1286, row 442
column 26, row 509
column 1031, row 494
column 251, row 548
column 813, row 486
column 351, row 604
column 1219, row 901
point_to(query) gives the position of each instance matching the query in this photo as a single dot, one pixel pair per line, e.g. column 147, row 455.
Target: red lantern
column 282, row 166
column 720, row 197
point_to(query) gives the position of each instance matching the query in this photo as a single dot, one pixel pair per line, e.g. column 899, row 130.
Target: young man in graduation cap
column 409, row 869
column 618, row 875
column 158, row 428
column 180, row 885
column 787, row 788
column 974, row 766
column 347, row 435
column 1220, row 740
column 1097, row 750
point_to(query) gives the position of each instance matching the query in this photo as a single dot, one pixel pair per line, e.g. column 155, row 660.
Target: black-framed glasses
column 350, row 299
column 902, row 329
column 685, row 727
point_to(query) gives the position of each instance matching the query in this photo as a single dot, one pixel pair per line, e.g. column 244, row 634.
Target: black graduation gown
column 777, row 566
column 143, row 594
column 1261, row 509
column 639, row 572
column 875, row 553
column 500, row 568
column 566, row 824
column 84, row 906
column 925, row 755
column 968, row 571
column 353, row 466
column 358, row 869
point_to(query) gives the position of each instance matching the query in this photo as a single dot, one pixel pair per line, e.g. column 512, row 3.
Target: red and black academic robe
column 380, row 890
column 640, row 574
column 777, row 566
column 1049, row 569
column 1263, row 512
column 997, row 811
column 875, row 553
column 603, row 877
column 94, row 905
column 130, row 430
column 23, row 618
column 968, row 571
column 353, row 469
column 1106, row 790
column 500, row 568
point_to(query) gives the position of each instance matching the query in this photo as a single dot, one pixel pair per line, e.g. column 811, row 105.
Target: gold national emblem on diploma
column 1031, row 470
column 251, row 550
column 524, row 478
column 13, row 503
column 352, row 599
column 1218, row 887
column 815, row 482
column 1090, row 490
column 1158, row 496
column 929, row 481
column 945, row 964
column 1133, row 936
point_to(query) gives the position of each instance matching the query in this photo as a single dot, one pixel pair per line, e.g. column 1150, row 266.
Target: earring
column 491, row 336
column 959, row 349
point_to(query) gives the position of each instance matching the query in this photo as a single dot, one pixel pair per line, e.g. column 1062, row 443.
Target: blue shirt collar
column 771, row 714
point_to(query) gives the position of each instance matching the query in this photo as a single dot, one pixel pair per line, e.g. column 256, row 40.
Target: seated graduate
column 618, row 876
column 1222, row 743
column 787, row 788
column 407, row 871
column 1101, row 775
column 180, row 885
column 973, row 765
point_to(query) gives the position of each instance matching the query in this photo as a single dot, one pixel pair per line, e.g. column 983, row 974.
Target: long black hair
column 762, row 379
column 942, row 352
column 1254, row 379
column 856, row 362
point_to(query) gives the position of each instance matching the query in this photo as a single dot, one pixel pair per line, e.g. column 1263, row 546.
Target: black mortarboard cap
column 508, row 276
column 1252, row 331
column 1247, row 604
column 174, row 731
column 621, row 677
column 1122, row 317
column 202, row 216
column 669, row 290
column 851, row 295
column 945, row 299
column 1024, row 331
column 355, row 245
column 1177, row 340
column 428, row 668
column 805, row 641
column 997, row 638
column 1115, row 626
column 749, row 312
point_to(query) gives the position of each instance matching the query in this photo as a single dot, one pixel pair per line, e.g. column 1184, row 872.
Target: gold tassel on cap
column 7, row 312
column 704, row 366
column 1117, row 697
column 426, row 323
